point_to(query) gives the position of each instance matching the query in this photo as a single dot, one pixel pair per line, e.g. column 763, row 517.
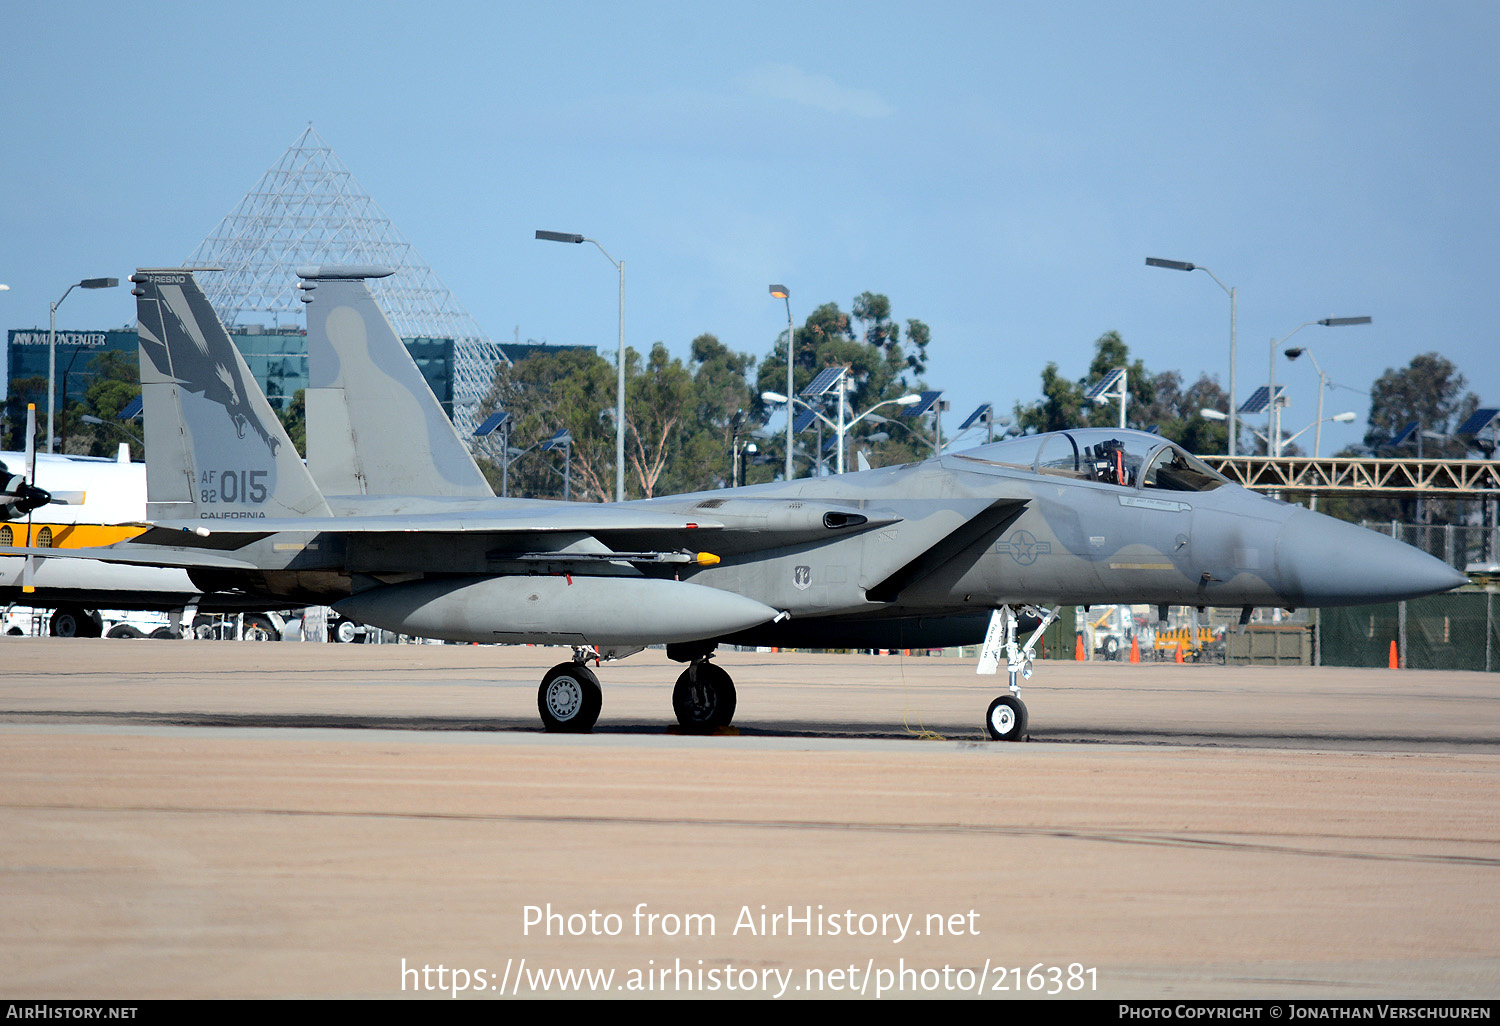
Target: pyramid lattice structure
column 309, row 209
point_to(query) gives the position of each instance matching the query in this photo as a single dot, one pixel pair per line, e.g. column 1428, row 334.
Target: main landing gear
column 704, row 697
column 569, row 697
column 1005, row 720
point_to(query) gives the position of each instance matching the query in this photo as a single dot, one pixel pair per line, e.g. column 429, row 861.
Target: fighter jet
column 950, row 550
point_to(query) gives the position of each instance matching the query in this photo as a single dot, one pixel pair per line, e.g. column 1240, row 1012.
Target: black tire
column 346, row 632
column 165, row 633
column 1111, row 648
column 74, row 622
column 124, row 630
column 569, row 699
column 704, row 698
column 1006, row 719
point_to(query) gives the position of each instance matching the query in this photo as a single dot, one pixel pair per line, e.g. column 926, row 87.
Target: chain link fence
column 1458, row 545
column 1457, row 631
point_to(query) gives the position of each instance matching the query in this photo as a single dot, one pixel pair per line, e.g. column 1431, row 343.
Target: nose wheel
column 569, row 699
column 1006, row 719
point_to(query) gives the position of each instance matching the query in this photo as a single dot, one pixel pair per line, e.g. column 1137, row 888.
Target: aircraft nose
column 1328, row 562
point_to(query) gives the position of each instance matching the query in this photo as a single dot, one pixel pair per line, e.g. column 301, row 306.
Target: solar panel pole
column 843, row 384
column 1273, row 413
column 780, row 292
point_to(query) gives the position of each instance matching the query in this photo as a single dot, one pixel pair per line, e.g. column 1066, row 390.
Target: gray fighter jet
column 951, row 550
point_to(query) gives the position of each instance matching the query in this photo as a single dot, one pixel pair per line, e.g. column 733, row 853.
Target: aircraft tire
column 1111, row 648
column 569, row 699
column 75, row 622
column 124, row 630
column 165, row 633
column 704, row 698
column 1006, row 719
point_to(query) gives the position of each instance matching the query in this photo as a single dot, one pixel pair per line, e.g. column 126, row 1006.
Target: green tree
column 880, row 369
column 546, row 392
column 24, row 392
column 1431, row 392
column 660, row 399
column 1156, row 401
column 115, row 381
column 721, row 389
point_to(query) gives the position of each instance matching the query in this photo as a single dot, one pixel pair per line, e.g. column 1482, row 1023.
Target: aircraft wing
column 753, row 524
column 587, row 518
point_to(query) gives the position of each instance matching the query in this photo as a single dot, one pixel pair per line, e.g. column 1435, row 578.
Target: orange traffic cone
column 1178, row 657
column 1395, row 657
column 1135, row 650
column 1078, row 655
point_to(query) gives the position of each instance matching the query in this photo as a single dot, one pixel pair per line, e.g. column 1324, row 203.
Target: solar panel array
column 1260, row 399
column 1106, row 384
column 1477, row 423
column 985, row 413
column 922, row 406
column 492, row 423
column 1404, row 435
column 825, row 381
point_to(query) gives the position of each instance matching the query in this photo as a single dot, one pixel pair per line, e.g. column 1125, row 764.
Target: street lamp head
column 1210, row 414
column 780, row 291
column 909, row 400
column 558, row 236
column 1294, row 352
column 4, row 288
column 1340, row 322
column 772, row 397
column 99, row 283
column 1172, row 265
column 1345, row 418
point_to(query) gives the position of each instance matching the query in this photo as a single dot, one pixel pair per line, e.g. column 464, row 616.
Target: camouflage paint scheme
column 931, row 552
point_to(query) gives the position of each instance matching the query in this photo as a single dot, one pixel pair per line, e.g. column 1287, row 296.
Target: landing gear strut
column 1006, row 718
column 704, row 698
column 569, row 699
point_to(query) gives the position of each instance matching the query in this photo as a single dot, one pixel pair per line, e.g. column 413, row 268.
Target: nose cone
column 1326, row 562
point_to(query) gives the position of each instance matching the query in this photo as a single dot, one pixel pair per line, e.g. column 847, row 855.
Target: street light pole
column 87, row 283
column 841, row 428
column 619, row 359
column 1179, row 265
column 1274, row 410
column 780, row 292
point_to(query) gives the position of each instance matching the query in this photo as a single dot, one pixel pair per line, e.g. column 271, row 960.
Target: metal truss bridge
column 1328, row 475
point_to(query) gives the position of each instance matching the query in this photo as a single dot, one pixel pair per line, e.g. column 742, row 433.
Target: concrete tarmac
column 220, row 819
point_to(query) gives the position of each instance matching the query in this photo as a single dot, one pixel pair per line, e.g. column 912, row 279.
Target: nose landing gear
column 1005, row 720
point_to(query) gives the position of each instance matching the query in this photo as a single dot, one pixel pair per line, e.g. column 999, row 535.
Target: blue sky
column 999, row 170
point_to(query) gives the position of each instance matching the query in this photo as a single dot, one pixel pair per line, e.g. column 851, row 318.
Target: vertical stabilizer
column 373, row 425
column 214, row 448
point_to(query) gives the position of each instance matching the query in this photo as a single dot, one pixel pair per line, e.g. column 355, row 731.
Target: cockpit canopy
column 1128, row 459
